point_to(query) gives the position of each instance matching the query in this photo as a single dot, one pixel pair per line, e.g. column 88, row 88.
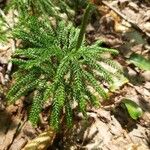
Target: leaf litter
column 109, row 127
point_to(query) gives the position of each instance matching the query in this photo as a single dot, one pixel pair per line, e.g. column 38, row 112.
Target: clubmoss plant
column 57, row 65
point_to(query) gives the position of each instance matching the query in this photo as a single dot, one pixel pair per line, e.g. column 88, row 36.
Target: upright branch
column 84, row 24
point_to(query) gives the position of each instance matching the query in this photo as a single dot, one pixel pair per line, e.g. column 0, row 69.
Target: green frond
column 68, row 114
column 48, row 92
column 27, row 53
column 95, row 85
column 36, row 107
column 44, row 8
column 55, row 115
column 58, row 103
column 62, row 32
column 37, row 102
column 113, row 64
column 18, row 61
column 35, row 32
column 92, row 99
column 73, row 37
column 82, row 103
column 28, row 38
column 78, row 87
column 103, row 73
column 22, row 91
column 20, row 84
column 78, row 83
column 47, row 69
column 36, row 52
column 18, row 74
column 62, row 69
column 41, row 54
column 98, row 49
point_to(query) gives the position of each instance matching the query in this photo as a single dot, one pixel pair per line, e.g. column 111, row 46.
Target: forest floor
column 125, row 26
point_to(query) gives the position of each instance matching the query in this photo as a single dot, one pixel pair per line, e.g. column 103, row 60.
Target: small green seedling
column 133, row 109
column 139, row 61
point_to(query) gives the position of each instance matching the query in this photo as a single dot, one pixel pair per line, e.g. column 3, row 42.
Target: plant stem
column 83, row 25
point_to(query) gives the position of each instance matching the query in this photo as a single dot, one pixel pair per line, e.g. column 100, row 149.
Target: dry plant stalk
column 42, row 142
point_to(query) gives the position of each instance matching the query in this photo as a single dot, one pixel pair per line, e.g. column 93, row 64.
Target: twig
column 84, row 24
column 9, row 66
column 5, row 19
column 134, row 25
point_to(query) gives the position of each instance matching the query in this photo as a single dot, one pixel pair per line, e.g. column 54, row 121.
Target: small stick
column 9, row 66
column 134, row 25
column 83, row 25
column 5, row 20
column 13, row 47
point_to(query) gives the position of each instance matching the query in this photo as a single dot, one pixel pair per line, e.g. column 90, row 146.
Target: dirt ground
column 121, row 24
